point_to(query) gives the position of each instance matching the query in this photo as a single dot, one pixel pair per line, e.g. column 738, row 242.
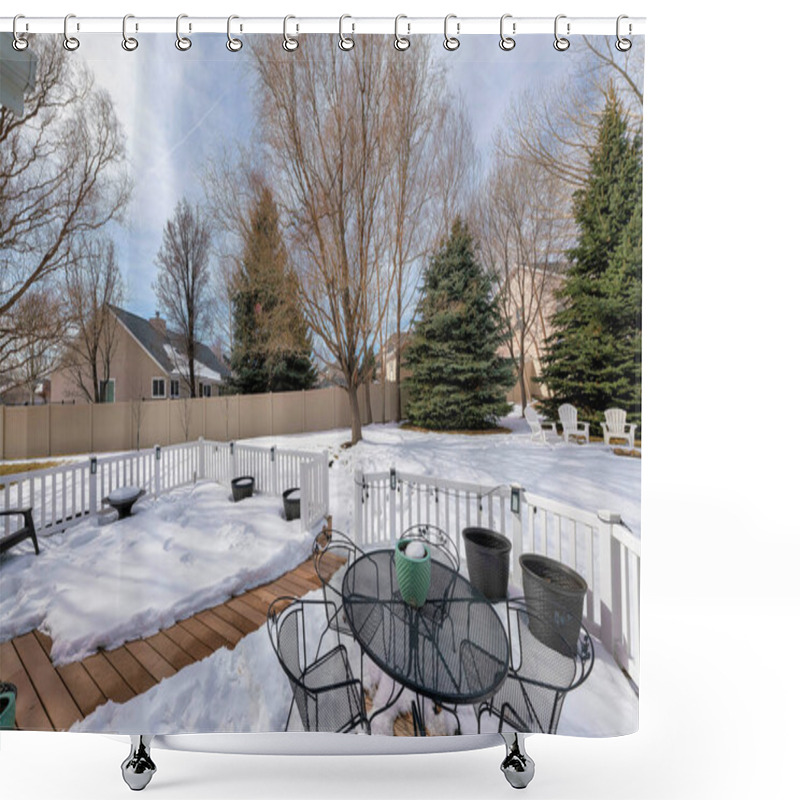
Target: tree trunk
column 368, row 401
column 355, row 414
column 522, row 393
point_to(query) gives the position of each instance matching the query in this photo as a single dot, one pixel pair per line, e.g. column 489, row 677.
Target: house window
column 159, row 387
column 108, row 390
column 174, row 388
column 204, row 389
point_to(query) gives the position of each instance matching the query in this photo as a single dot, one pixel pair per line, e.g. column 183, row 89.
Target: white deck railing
column 602, row 550
column 65, row 495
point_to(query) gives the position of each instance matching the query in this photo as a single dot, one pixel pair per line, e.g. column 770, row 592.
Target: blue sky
column 180, row 108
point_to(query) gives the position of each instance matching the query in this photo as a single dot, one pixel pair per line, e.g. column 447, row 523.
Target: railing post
column 273, row 472
column 393, row 505
column 157, row 470
column 232, row 461
column 305, row 491
column 93, row 486
column 201, row 459
column 610, row 583
column 358, row 508
column 516, row 533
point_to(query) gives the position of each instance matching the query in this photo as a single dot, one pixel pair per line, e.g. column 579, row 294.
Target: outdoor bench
column 27, row 531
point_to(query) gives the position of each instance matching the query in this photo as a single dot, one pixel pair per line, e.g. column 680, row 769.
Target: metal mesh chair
column 442, row 547
column 539, row 678
column 333, row 553
column 327, row 696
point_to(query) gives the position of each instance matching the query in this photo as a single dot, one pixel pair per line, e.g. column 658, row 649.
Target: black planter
column 242, row 487
column 488, row 555
column 554, row 596
column 291, row 505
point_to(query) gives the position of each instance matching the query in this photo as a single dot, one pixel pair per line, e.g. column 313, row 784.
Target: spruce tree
column 458, row 380
column 271, row 343
column 593, row 358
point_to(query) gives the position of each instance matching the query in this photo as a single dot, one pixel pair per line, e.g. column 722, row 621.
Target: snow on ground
column 103, row 583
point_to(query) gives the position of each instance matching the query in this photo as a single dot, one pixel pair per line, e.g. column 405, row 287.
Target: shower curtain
column 323, row 355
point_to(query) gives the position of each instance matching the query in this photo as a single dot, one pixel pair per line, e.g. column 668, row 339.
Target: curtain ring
column 401, row 42
column 290, row 43
column 561, row 43
column 20, row 42
column 183, row 43
column 345, row 42
column 129, row 43
column 233, row 44
column 623, row 45
column 70, row 42
column 451, row 42
column 507, row 42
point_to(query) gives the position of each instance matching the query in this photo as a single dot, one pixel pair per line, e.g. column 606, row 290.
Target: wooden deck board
column 54, row 698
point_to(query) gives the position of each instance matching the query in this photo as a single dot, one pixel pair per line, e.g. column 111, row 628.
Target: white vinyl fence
column 596, row 545
column 66, row 495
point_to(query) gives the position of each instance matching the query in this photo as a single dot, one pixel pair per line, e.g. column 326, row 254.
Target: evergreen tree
column 458, row 380
column 271, row 343
column 593, row 358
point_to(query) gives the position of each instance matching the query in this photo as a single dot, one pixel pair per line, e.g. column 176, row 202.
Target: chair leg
column 138, row 768
column 517, row 766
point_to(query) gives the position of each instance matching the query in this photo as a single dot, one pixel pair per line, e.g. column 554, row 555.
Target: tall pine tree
column 271, row 344
column 458, row 381
column 593, row 358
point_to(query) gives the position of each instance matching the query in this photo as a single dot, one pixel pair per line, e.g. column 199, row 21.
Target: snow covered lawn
column 102, row 583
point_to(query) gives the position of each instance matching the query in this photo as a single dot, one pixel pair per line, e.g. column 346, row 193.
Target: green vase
column 413, row 574
column 8, row 699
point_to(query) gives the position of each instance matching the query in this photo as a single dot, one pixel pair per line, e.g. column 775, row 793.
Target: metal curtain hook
column 183, row 43
column 507, row 42
column 233, row 44
column 401, row 42
column 290, row 44
column 451, row 42
column 129, row 43
column 345, row 42
column 70, row 42
column 561, row 43
column 20, row 42
column 623, row 45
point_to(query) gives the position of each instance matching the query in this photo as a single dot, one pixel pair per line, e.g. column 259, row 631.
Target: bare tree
column 93, row 284
column 325, row 127
column 61, row 175
column 182, row 284
column 525, row 222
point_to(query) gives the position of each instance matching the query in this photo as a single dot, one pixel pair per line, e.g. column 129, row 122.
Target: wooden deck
column 55, row 698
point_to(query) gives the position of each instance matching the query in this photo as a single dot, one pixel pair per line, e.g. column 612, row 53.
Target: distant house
column 387, row 358
column 147, row 363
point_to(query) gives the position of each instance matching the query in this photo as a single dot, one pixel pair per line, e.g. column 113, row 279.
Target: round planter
column 413, row 574
column 291, row 503
column 242, row 487
column 488, row 556
column 8, row 705
column 554, row 596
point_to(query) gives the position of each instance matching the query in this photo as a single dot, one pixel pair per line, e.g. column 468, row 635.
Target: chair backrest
column 332, row 551
column 533, row 419
column 442, row 547
column 615, row 419
column 546, row 673
column 568, row 415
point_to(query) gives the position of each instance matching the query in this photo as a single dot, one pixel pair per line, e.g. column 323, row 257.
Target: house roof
column 164, row 349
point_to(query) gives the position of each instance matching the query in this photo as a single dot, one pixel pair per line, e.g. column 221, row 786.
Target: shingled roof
column 159, row 345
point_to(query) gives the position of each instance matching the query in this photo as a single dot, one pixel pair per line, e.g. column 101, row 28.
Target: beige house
column 529, row 301
column 146, row 364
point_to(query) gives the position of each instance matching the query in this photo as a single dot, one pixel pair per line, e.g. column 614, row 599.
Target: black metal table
column 453, row 650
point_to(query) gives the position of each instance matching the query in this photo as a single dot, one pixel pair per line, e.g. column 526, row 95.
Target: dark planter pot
column 242, row 487
column 291, row 503
column 8, row 705
column 554, row 595
column 488, row 556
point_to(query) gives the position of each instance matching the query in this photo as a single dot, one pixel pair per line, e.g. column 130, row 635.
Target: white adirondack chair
column 570, row 424
column 538, row 428
column 615, row 427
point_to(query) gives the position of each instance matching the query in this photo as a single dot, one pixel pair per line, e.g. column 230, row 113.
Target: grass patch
column 407, row 426
column 31, row 466
column 621, row 451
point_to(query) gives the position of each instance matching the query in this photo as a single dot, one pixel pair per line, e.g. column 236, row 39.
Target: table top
column 453, row 649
